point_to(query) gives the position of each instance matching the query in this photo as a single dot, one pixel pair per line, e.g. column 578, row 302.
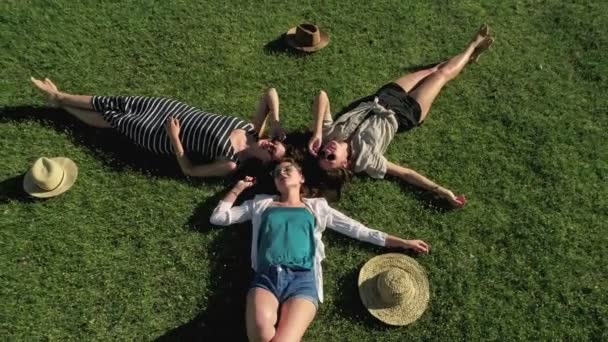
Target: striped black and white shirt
column 143, row 119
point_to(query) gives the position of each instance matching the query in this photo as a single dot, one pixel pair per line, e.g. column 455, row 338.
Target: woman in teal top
column 286, row 238
column 286, row 252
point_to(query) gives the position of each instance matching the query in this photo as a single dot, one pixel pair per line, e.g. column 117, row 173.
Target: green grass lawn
column 128, row 252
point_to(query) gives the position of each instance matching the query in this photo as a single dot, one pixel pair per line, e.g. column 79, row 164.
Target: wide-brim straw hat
column 307, row 38
column 50, row 177
column 394, row 288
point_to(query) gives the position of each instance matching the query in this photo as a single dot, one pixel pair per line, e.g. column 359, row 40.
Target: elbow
column 272, row 92
column 321, row 98
column 214, row 220
column 217, row 219
column 230, row 167
column 322, row 95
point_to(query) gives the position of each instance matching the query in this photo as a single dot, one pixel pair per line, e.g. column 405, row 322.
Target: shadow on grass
column 223, row 318
column 112, row 148
column 428, row 199
column 11, row 189
column 349, row 303
column 418, row 67
column 280, row 46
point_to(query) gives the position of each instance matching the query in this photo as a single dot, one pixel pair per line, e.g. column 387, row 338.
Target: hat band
column 58, row 183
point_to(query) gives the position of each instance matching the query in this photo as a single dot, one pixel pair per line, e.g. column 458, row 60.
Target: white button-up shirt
column 325, row 217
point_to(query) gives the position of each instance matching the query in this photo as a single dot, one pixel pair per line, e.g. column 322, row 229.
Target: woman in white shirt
column 286, row 251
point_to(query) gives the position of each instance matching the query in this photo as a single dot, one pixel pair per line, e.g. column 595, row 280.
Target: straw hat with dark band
column 50, row 177
column 394, row 288
column 307, row 38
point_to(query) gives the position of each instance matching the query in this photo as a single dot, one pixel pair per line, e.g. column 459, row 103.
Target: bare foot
column 482, row 33
column 481, row 48
column 49, row 89
column 51, row 84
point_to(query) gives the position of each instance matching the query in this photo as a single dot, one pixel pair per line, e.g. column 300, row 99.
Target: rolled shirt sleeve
column 370, row 162
column 225, row 214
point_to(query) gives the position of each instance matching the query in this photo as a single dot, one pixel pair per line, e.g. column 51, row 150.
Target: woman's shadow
column 228, row 253
column 113, row 149
column 223, row 318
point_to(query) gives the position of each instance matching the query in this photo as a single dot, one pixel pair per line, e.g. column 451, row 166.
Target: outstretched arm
column 412, row 177
column 321, row 112
column 268, row 110
column 345, row 225
column 218, row 168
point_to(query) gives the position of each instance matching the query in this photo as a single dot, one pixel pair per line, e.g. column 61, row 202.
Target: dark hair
column 320, row 183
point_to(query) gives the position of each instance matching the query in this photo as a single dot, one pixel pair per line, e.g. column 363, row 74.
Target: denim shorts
column 285, row 284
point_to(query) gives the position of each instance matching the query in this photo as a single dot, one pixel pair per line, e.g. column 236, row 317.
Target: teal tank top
column 286, row 238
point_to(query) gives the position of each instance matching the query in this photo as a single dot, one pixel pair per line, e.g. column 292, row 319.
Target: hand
column 173, row 127
column 314, row 144
column 456, row 201
column 244, row 184
column 417, row 246
column 266, row 143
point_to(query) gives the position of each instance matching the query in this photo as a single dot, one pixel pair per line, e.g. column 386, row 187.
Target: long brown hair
column 319, row 183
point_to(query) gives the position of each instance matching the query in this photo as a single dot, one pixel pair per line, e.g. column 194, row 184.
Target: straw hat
column 394, row 288
column 307, row 37
column 50, row 177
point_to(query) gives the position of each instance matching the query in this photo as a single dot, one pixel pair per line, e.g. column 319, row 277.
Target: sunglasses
column 279, row 170
column 329, row 156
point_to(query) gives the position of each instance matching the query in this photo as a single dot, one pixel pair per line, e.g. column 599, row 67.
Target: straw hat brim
column 408, row 310
column 70, row 174
column 290, row 37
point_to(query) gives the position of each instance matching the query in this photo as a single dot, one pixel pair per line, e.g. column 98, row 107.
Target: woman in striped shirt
column 166, row 126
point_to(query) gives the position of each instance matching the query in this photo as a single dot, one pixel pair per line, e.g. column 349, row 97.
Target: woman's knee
column 446, row 72
column 261, row 327
column 264, row 329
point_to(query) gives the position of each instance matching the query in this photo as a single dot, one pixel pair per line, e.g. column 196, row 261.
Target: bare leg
column 268, row 104
column 409, row 81
column 77, row 101
column 78, row 105
column 426, row 92
column 61, row 99
column 89, row 117
column 296, row 316
column 261, row 315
